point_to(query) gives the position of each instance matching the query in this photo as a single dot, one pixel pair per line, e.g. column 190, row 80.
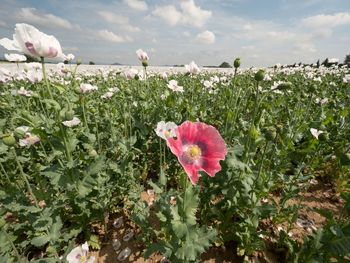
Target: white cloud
column 112, row 37
column 304, row 48
column 168, row 13
column 190, row 14
column 324, row 22
column 137, row 4
column 206, row 37
column 31, row 15
column 193, row 14
column 122, row 21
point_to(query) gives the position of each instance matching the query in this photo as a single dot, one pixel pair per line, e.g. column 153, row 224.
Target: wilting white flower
column 166, row 129
column 142, row 55
column 73, row 122
column 109, row 94
column 208, row 84
column 174, row 87
column 62, row 68
column 29, row 139
column 192, row 68
column 316, row 132
column 15, row 57
column 69, row 57
column 31, row 41
column 87, row 88
column 80, row 255
column 22, row 92
column 321, row 101
column 346, row 78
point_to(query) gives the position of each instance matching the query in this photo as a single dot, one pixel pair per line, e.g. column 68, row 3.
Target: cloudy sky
column 260, row 32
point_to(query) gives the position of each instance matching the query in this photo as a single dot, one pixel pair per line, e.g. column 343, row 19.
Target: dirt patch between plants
column 318, row 196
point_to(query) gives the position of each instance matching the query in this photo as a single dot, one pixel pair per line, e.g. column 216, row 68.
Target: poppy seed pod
column 237, row 63
column 259, row 76
column 9, row 140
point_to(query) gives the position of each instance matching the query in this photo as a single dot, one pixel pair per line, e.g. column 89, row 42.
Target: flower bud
column 259, row 76
column 270, row 133
column 145, row 63
column 9, row 140
column 79, row 61
column 93, row 153
column 237, row 63
column 69, row 115
column 284, row 86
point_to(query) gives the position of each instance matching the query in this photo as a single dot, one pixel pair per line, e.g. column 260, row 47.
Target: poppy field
column 188, row 159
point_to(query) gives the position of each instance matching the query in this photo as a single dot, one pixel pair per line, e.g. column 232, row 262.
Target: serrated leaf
column 55, row 229
column 155, row 247
column 40, row 240
column 94, row 242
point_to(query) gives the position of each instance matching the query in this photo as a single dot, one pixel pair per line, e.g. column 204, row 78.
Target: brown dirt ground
column 316, row 197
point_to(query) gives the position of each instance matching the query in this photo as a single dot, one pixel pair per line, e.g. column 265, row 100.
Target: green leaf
column 340, row 246
column 55, row 229
column 40, row 240
column 155, row 247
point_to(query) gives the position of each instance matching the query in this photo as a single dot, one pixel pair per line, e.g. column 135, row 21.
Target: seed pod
column 237, row 63
column 69, row 115
column 9, row 140
column 259, row 76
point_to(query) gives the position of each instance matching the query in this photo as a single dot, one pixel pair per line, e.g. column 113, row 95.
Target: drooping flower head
column 198, row 147
column 80, row 255
column 166, row 130
column 71, row 123
column 143, row 57
column 31, row 41
column 87, row 88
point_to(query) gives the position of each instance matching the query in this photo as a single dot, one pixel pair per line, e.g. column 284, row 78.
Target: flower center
column 194, row 152
column 166, row 134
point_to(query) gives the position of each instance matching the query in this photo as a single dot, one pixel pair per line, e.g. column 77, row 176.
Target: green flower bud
column 93, row 153
column 145, row 63
column 284, row 86
column 237, row 63
column 259, row 76
column 253, row 133
column 79, row 61
column 9, row 140
column 69, row 115
column 270, row 133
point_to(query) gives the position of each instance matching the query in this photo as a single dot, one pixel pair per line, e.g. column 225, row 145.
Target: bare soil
column 318, row 196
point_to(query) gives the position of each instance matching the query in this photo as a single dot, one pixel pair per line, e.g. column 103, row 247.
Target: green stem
column 82, row 101
column 45, row 78
column 13, row 246
column 5, row 173
column 25, row 178
column 248, row 141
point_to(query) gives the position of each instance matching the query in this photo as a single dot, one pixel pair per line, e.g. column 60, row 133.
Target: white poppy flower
column 80, row 255
column 73, row 122
column 192, row 68
column 87, row 88
column 166, row 129
column 15, row 57
column 142, row 55
column 30, row 139
column 174, row 87
column 316, row 132
column 31, row 41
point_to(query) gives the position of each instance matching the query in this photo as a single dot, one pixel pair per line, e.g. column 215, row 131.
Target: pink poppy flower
column 198, row 147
